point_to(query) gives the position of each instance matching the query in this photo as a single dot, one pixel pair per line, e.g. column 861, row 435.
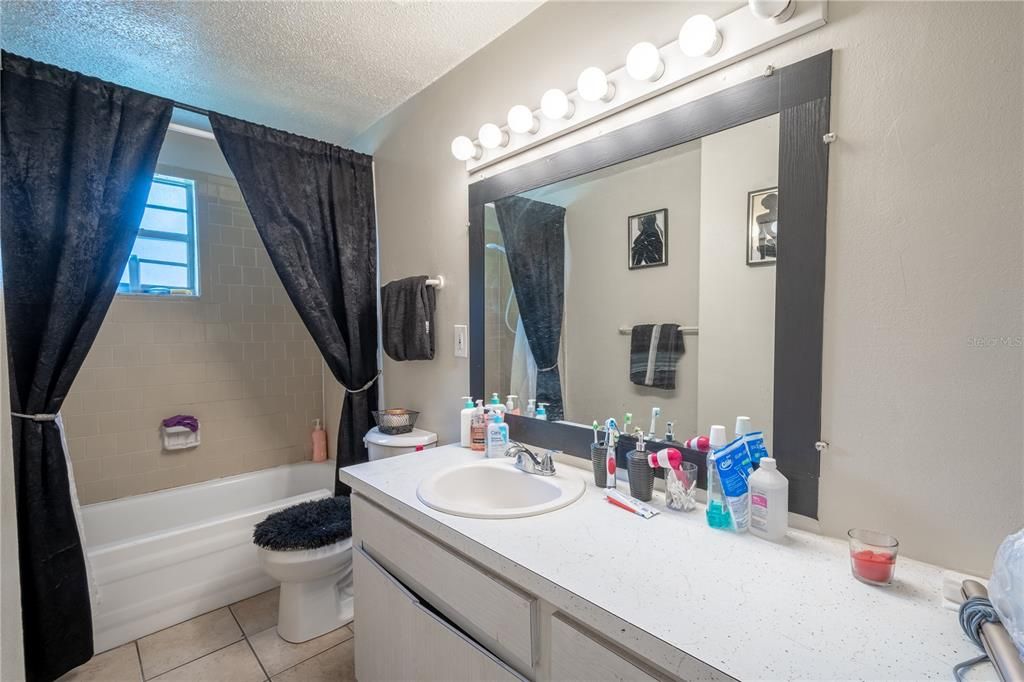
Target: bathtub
column 164, row 557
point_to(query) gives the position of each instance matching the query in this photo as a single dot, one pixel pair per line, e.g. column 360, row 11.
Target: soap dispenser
column 641, row 475
column 542, row 413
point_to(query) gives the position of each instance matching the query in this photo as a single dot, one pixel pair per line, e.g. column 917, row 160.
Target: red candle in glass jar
column 874, row 566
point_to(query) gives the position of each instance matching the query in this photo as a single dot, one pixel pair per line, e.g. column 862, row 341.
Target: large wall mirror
column 666, row 265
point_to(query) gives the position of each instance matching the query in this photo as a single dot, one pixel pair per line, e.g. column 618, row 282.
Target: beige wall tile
column 238, row 358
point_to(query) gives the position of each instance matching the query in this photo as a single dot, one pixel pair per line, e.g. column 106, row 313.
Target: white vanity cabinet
column 425, row 612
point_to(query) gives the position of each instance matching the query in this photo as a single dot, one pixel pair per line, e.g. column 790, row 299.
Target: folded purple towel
column 186, row 420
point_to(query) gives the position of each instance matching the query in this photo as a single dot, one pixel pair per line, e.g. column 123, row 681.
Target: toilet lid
column 413, row 439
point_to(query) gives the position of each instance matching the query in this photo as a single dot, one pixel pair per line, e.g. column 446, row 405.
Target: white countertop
column 750, row 608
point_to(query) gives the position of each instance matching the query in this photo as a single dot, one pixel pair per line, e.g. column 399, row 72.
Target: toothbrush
column 655, row 411
column 626, row 422
column 609, row 457
column 595, row 432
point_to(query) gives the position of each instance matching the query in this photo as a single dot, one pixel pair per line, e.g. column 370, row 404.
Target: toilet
column 381, row 445
column 308, row 549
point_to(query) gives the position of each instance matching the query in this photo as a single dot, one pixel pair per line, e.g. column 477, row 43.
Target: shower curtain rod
column 189, row 107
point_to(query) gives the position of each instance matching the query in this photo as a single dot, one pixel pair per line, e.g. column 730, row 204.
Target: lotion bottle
column 478, row 429
column 319, row 442
column 466, row 422
column 769, row 501
column 497, row 436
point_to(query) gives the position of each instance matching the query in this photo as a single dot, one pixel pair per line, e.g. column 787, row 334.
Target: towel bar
column 687, row 331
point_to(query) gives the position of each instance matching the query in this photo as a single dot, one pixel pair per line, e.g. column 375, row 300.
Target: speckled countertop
column 670, row 588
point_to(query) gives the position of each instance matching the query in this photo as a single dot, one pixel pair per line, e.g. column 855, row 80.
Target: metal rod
column 687, row 331
column 996, row 640
column 189, row 107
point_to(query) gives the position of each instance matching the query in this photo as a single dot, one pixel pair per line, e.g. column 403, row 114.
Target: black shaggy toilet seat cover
column 307, row 525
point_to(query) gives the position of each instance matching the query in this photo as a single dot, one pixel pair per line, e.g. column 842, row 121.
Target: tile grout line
column 245, row 636
column 138, row 656
column 352, row 635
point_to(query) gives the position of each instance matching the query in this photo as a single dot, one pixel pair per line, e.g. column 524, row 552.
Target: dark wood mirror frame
column 800, row 94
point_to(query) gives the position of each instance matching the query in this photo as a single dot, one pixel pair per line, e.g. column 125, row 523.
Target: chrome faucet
column 528, row 462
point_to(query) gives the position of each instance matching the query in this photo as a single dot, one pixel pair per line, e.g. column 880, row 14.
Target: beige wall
column 737, row 301
column 924, row 244
column 602, row 294
column 12, row 654
column 238, row 358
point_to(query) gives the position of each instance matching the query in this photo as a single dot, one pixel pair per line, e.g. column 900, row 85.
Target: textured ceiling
column 323, row 69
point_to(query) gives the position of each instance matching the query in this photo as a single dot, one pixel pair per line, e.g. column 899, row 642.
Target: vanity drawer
column 498, row 616
column 576, row 655
column 401, row 639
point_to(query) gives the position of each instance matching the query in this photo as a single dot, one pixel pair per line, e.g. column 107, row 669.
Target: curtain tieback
column 364, row 386
column 548, row 369
column 37, row 417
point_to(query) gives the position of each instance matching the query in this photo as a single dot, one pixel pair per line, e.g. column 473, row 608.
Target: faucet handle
column 547, row 465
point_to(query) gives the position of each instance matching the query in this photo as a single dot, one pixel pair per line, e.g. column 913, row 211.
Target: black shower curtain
column 78, row 159
column 312, row 203
column 534, row 236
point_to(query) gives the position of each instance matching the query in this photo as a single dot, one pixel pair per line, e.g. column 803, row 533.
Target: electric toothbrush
column 655, row 411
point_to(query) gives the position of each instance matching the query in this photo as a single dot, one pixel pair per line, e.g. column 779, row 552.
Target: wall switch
column 461, row 341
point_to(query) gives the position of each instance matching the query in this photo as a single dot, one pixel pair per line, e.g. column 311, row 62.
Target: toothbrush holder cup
column 598, row 454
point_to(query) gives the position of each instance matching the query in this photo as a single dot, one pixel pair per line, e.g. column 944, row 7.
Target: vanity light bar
column 704, row 46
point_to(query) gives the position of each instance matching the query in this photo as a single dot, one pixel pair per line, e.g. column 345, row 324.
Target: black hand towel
column 654, row 351
column 407, row 306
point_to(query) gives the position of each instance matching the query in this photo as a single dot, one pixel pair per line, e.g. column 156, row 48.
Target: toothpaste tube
column 631, row 504
column 733, row 465
column 755, row 447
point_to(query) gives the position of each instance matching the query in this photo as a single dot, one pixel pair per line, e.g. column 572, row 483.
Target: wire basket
column 395, row 421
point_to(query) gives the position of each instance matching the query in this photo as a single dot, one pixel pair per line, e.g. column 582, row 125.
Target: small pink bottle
column 319, row 442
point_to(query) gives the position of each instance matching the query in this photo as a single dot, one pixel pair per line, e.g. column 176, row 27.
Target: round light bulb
column 555, row 104
column 699, row 37
column 643, row 63
column 777, row 11
column 522, row 120
column 593, row 85
column 465, row 149
column 491, row 136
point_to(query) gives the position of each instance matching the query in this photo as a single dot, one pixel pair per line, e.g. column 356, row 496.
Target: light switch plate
column 461, row 341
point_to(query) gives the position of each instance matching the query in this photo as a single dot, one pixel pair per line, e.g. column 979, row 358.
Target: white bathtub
column 164, row 557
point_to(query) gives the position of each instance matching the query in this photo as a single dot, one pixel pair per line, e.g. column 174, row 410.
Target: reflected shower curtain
column 312, row 203
column 78, row 160
column 534, row 237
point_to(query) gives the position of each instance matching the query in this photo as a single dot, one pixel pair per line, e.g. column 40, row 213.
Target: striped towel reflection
column 654, row 351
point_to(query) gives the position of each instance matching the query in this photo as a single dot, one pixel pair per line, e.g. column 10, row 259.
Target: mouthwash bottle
column 717, row 510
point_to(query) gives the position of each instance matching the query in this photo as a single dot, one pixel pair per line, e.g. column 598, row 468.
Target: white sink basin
column 495, row 489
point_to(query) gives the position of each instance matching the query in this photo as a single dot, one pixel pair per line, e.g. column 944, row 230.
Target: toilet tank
column 381, row 445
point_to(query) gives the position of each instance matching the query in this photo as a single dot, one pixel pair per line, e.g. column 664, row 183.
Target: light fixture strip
column 743, row 35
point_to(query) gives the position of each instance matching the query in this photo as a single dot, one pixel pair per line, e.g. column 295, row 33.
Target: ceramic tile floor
column 237, row 643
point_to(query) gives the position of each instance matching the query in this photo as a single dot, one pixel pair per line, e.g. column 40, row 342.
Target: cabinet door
column 398, row 638
column 577, row 656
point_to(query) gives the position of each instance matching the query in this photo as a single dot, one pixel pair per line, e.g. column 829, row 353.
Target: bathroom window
column 163, row 259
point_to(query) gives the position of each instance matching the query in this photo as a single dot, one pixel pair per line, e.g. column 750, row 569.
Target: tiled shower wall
column 238, row 358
